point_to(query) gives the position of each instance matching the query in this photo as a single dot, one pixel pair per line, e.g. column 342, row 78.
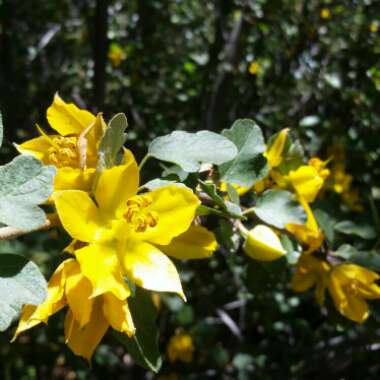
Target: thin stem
column 249, row 211
column 144, row 160
column 7, row 233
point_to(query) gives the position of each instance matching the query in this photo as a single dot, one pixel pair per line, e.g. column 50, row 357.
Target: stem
column 144, row 160
column 249, row 211
column 7, row 233
column 243, row 231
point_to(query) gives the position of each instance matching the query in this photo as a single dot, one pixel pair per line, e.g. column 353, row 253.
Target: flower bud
column 263, row 244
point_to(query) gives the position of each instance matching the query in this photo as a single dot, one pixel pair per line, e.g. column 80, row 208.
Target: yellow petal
column 263, row 244
column 79, row 215
column 274, row 153
column 55, row 300
column 78, row 291
column 149, row 268
column 118, row 315
column 196, row 243
column 306, row 181
column 74, row 179
column 100, row 264
column 302, row 282
column 67, row 118
column 116, row 185
column 37, row 147
column 175, row 207
column 83, row 341
column 93, row 138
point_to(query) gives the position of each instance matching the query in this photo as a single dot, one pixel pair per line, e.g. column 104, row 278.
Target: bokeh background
column 313, row 66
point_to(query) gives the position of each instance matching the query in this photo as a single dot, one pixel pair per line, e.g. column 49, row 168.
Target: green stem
column 249, row 211
column 144, row 160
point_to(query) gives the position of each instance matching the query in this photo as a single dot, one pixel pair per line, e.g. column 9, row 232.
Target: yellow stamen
column 136, row 215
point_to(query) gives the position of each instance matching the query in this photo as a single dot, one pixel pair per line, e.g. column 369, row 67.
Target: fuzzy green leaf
column 24, row 184
column 190, row 150
column 21, row 283
column 249, row 165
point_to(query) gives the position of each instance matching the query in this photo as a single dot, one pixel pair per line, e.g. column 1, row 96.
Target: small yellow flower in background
column 181, row 347
column 116, row 54
column 74, row 150
column 308, row 234
column 128, row 234
column 241, row 190
column 263, row 244
column 349, row 286
column 325, row 13
column 374, row 27
column 87, row 319
column 254, row 68
column 311, row 272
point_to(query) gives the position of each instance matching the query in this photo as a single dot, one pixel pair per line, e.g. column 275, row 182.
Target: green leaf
column 278, row 208
column 112, row 142
column 143, row 347
column 21, row 283
column 291, row 247
column 249, row 165
column 1, row 129
column 367, row 259
column 157, row 183
column 24, row 184
column 230, row 208
column 347, row 227
column 327, row 224
column 190, row 150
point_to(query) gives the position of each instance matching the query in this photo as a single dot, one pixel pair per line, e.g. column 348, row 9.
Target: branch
column 7, row 233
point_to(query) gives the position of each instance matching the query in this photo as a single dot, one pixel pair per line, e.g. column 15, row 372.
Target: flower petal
column 67, row 118
column 55, row 300
column 118, row 314
column 116, row 185
column 74, row 179
column 78, row 214
column 196, row 243
column 83, row 341
column 100, row 264
column 149, row 268
column 175, row 207
column 37, row 147
column 306, row 181
column 78, row 291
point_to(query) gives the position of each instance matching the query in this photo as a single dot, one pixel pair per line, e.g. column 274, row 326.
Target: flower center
column 138, row 216
column 353, row 287
column 63, row 152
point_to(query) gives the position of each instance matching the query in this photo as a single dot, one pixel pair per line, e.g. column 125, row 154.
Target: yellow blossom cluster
column 118, row 232
column 348, row 284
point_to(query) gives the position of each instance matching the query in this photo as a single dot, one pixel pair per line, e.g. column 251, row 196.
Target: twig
column 7, row 233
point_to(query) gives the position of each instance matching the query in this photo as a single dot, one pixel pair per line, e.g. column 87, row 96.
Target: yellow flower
column 308, row 234
column 181, row 347
column 374, row 27
column 127, row 233
column 349, row 286
column 325, row 13
column 116, row 54
column 73, row 150
column 254, row 68
column 307, row 180
column 311, row 272
column 274, row 154
column 263, row 244
column 87, row 318
column 241, row 190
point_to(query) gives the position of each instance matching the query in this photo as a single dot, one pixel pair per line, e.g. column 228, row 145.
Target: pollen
column 138, row 215
column 63, row 152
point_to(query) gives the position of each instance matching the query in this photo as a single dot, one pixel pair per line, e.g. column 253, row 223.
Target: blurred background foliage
column 309, row 65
